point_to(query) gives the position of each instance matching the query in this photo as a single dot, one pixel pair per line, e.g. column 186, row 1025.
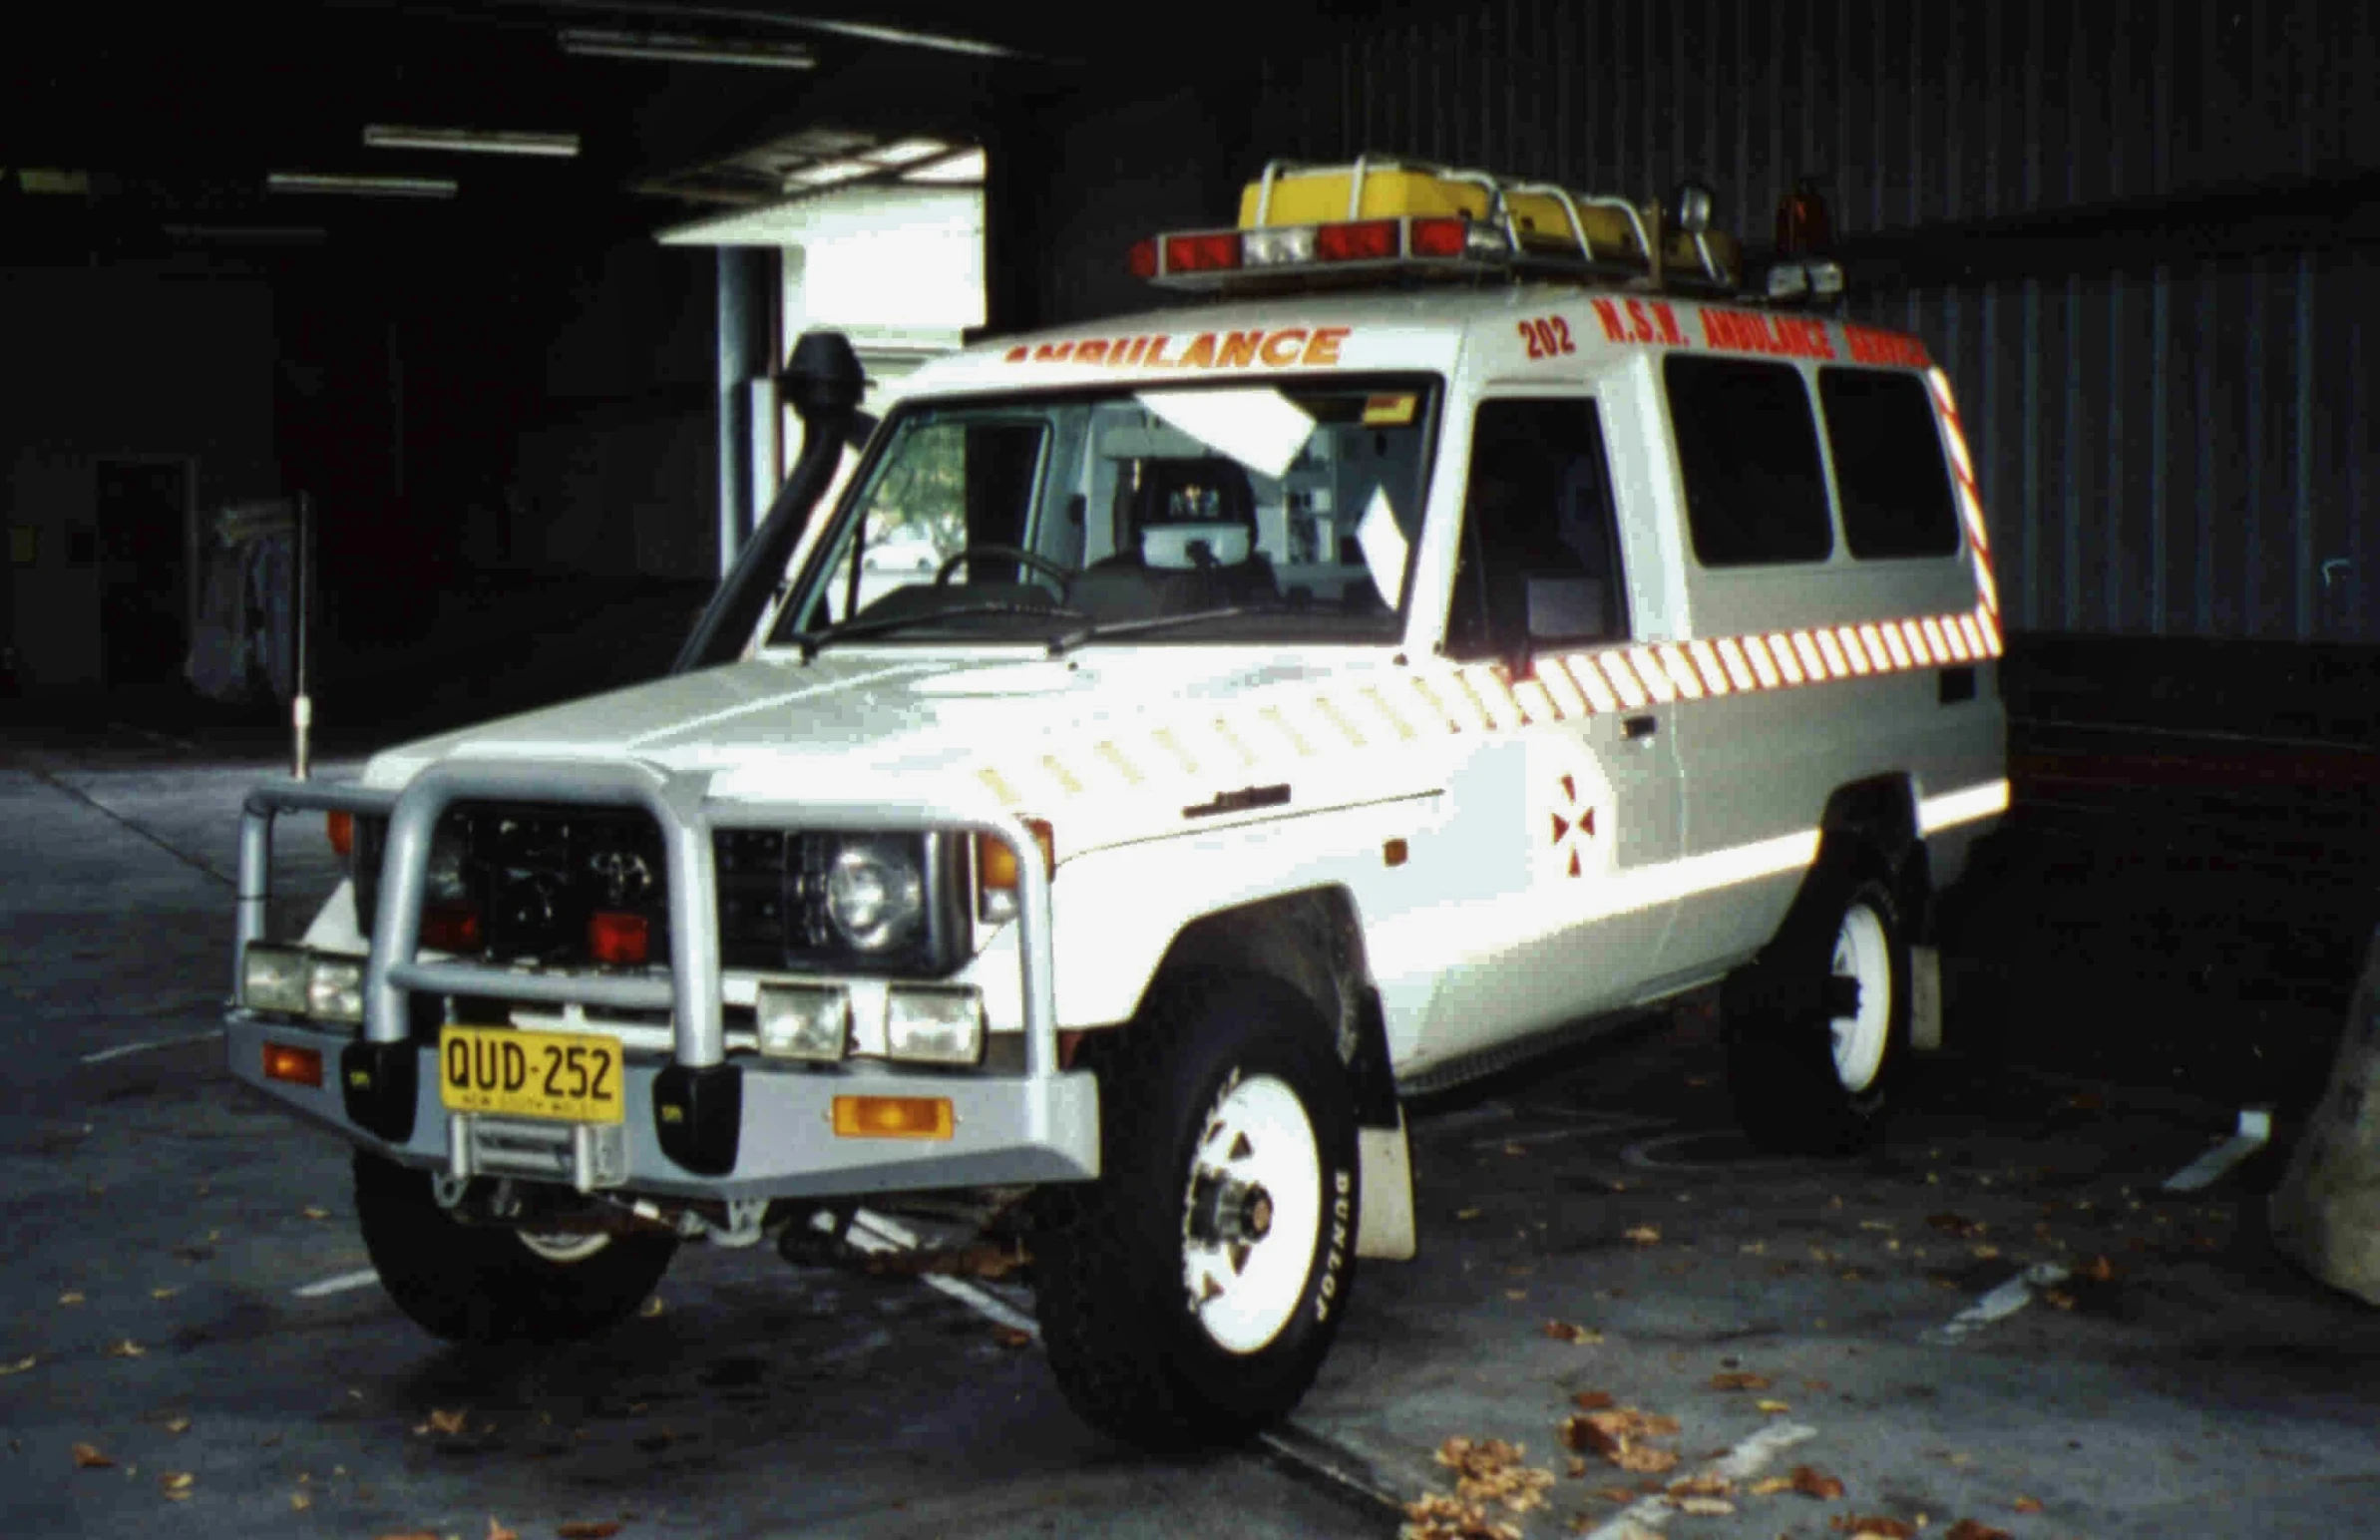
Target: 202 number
column 1547, row 336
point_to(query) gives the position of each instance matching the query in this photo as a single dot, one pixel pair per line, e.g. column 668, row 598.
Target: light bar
column 360, row 186
column 383, row 135
column 1434, row 242
column 683, row 48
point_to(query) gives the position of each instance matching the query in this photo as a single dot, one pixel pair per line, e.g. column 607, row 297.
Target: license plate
column 565, row 1076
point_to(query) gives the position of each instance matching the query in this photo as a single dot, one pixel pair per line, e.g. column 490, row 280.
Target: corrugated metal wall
column 2170, row 445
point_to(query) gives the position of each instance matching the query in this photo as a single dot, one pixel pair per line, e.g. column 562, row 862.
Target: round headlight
column 875, row 894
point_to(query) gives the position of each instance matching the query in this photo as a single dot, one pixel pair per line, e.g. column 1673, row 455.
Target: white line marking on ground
column 2255, row 1128
column 1741, row 1463
column 2001, row 1303
column 1641, row 1155
column 872, row 1232
column 338, row 1285
column 123, row 1050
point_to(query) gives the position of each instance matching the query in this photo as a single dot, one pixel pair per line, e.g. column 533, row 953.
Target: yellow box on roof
column 1321, row 195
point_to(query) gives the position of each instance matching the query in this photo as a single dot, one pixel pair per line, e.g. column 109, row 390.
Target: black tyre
column 487, row 1286
column 1818, row 1030
column 1188, row 1297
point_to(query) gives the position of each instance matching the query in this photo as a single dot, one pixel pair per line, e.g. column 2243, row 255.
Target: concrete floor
column 2192, row 1385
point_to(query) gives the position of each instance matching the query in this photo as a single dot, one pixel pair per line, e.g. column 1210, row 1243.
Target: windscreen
column 1223, row 515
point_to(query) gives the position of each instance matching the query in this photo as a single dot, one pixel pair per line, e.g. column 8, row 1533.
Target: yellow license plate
column 566, row 1076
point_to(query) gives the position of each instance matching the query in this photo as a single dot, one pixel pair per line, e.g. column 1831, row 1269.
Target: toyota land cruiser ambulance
column 1470, row 614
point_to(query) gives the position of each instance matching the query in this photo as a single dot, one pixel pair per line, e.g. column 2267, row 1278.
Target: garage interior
column 525, row 395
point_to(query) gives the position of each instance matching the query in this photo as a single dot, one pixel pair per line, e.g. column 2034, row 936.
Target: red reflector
column 451, row 927
column 342, row 834
column 1440, row 238
column 1143, row 259
column 1370, row 240
column 298, row 1066
column 1202, row 254
column 618, row 939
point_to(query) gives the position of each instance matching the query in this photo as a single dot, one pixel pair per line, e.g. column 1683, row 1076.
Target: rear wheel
column 1818, row 1030
column 487, row 1285
column 1189, row 1294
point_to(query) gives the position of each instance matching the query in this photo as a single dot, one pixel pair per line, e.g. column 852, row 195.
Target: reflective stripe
column 1622, row 680
column 1680, row 669
column 1730, row 652
column 1656, row 680
column 1962, row 807
column 1706, row 663
column 1761, row 664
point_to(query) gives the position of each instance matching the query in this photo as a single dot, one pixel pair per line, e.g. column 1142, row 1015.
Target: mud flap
column 1385, row 1228
column 1925, row 999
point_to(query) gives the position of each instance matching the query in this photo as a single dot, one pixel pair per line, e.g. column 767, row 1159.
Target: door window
column 1539, row 562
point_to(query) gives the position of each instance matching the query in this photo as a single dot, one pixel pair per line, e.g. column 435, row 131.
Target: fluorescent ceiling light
column 365, row 187
column 680, row 48
column 383, row 135
column 826, row 172
column 959, row 168
column 907, row 151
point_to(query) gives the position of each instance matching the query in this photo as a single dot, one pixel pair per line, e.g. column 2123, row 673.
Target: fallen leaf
column 447, row 1422
column 1708, row 1484
column 1873, row 1528
column 1739, row 1381
column 1705, row 1505
column 1646, row 1461
column 651, row 1307
column 178, row 1424
column 1012, row 1337
column 1511, row 1148
column 1489, row 1470
column 1516, row 1294
column 301, row 1501
column 497, row 1531
column 1770, row 1486
column 1772, row 1407
column 1969, row 1529
column 409, row 1534
column 1593, row 1401
column 177, row 1485
column 1983, row 1253
column 88, row 1457
column 1876, row 1224
column 2058, row 1298
column 1468, row 1213
column 127, row 1348
column 163, row 1294
column 71, row 1296
column 586, row 1530
column 1810, row 1481
column 2099, row 1269
column 2027, row 1505
column 1958, row 1225
column 1436, row 1516
column 310, row 1212
column 1578, row 1468
column 1642, row 1235
column 1616, row 1493
column 1571, row 1331
column 20, row 1365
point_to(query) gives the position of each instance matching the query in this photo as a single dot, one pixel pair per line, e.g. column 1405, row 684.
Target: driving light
column 804, row 1021
column 875, row 894
column 893, row 1117
column 934, row 1027
column 335, row 988
column 274, row 979
column 996, row 870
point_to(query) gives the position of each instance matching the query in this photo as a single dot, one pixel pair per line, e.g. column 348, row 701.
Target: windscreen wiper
column 811, row 642
column 1075, row 638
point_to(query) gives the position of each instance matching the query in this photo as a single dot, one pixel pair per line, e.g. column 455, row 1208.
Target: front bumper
column 775, row 1126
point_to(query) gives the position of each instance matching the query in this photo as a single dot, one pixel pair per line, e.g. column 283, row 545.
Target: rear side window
column 1888, row 466
column 1748, row 445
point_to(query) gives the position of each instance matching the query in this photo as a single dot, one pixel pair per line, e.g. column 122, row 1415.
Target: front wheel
column 486, row 1284
column 1818, row 1030
column 1189, row 1294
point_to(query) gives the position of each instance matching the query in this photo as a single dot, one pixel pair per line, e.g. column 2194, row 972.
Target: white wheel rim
column 563, row 1246
column 1257, row 1140
column 1862, row 952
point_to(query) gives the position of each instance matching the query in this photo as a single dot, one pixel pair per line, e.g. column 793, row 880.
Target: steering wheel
column 1040, row 563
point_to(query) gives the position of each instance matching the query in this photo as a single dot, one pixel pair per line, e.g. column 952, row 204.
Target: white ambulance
column 1469, row 620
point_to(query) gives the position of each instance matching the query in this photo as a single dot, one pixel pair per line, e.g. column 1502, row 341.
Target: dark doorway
column 144, row 607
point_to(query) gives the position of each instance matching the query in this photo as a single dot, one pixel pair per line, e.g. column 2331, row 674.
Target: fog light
column 335, row 988
column 274, row 979
column 804, row 1021
column 893, row 1117
column 934, row 1027
column 297, row 1067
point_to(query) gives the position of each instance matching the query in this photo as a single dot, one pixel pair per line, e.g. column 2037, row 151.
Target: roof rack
column 1376, row 216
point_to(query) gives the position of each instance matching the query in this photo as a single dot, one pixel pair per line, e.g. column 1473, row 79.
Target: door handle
column 1634, row 728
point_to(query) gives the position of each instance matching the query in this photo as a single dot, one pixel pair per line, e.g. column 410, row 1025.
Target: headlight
column 274, row 979
column 875, row 894
column 804, row 1021
column 934, row 1027
column 335, row 988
